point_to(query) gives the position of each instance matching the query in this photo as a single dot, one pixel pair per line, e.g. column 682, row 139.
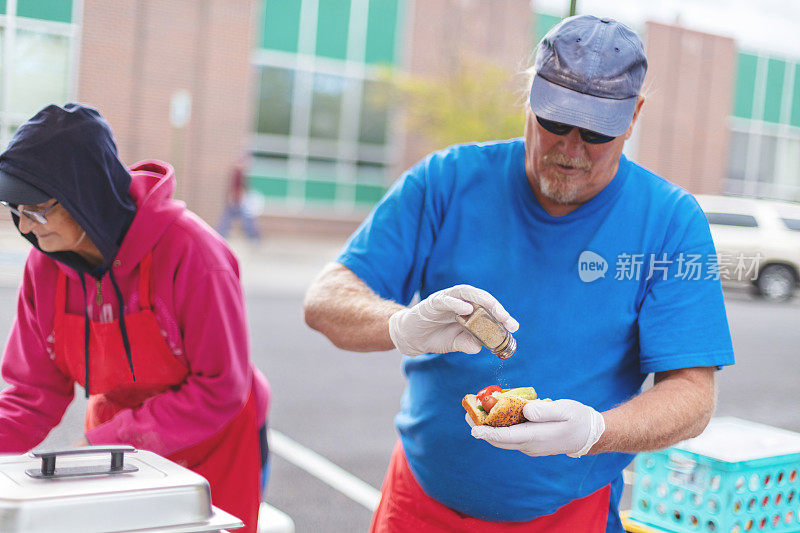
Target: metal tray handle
column 49, row 470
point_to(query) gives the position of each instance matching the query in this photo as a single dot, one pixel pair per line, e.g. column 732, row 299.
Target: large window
column 326, row 106
column 322, row 136
column 275, row 100
column 39, row 71
column 37, row 54
column 374, row 113
column 764, row 156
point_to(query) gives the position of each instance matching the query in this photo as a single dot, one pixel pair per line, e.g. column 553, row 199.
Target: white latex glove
column 431, row 327
column 561, row 426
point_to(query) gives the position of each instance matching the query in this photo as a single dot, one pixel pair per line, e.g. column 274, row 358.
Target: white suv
column 764, row 233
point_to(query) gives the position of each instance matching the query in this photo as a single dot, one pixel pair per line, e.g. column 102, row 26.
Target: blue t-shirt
column 602, row 297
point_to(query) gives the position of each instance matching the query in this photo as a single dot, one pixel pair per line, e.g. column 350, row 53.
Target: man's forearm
column 677, row 407
column 343, row 308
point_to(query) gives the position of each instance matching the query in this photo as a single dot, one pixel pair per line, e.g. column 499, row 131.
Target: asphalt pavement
column 340, row 405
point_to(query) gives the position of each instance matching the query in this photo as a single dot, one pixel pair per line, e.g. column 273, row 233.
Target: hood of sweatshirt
column 69, row 153
column 152, row 187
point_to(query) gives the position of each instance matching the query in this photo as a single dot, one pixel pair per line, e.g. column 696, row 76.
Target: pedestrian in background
column 509, row 221
column 135, row 298
column 236, row 203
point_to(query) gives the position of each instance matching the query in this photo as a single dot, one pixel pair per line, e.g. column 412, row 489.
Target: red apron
column 404, row 506
column 230, row 460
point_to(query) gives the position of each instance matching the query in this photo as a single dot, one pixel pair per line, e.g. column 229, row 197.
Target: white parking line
column 324, row 470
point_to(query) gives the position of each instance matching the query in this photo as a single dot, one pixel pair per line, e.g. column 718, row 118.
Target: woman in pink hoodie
column 135, row 298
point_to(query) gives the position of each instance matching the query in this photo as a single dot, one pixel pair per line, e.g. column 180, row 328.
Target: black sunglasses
column 559, row 128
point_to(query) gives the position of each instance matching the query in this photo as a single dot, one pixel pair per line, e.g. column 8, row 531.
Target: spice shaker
column 489, row 332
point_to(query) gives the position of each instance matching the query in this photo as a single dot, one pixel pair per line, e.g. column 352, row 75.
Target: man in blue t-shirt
column 608, row 271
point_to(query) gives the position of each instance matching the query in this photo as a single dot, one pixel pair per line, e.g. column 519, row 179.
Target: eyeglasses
column 37, row 215
column 588, row 136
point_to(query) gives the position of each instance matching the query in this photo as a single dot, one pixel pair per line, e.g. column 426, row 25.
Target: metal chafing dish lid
column 87, row 493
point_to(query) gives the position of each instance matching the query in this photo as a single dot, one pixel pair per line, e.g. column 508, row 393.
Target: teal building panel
column 774, row 93
column 745, row 85
column 281, row 25
column 382, row 22
column 54, row 10
column 333, row 19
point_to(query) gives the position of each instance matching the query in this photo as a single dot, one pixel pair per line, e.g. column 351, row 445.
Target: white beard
column 561, row 189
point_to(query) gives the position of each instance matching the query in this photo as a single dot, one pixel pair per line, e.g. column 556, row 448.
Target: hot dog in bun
column 498, row 407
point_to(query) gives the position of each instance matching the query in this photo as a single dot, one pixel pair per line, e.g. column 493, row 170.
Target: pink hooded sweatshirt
column 198, row 302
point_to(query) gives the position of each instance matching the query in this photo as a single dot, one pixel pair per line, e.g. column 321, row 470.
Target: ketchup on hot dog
column 485, row 397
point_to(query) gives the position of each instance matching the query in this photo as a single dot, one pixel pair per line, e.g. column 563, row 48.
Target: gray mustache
column 560, row 159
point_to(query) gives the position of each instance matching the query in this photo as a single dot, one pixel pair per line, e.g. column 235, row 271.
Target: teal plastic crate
column 737, row 476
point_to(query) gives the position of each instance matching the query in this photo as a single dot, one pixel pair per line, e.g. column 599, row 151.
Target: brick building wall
column 683, row 127
column 136, row 54
column 439, row 32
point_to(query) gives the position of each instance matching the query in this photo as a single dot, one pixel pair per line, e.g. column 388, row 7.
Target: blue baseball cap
column 589, row 72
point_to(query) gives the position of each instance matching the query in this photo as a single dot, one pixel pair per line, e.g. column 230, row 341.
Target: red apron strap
column 145, row 268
